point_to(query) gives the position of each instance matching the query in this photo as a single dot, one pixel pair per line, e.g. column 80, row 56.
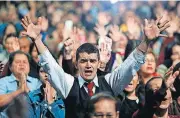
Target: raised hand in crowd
column 170, row 77
column 133, row 27
column 100, row 29
column 116, row 34
column 153, row 29
column 68, row 48
column 175, row 24
column 33, row 31
column 105, row 55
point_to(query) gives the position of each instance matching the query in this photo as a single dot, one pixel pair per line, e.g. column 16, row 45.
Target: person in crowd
column 102, row 105
column 68, row 64
column 148, row 69
column 11, row 44
column 130, row 101
column 45, row 102
column 174, row 59
column 24, row 43
column 174, row 108
column 157, row 96
column 18, row 82
column 10, row 29
column 76, row 91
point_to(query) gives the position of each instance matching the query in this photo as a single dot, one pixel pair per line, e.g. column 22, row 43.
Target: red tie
column 90, row 87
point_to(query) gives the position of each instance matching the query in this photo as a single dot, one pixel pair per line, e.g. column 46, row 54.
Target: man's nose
column 88, row 64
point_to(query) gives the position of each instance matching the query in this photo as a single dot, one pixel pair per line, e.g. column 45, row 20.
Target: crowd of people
column 90, row 59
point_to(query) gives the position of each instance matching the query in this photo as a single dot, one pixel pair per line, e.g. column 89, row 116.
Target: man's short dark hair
column 13, row 54
column 88, row 48
column 98, row 97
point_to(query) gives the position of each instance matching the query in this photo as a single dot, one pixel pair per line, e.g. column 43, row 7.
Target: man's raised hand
column 31, row 30
column 152, row 29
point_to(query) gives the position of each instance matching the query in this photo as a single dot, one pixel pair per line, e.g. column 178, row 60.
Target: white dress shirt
column 117, row 79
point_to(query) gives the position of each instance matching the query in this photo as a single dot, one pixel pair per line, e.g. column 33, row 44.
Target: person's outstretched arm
column 61, row 81
column 122, row 75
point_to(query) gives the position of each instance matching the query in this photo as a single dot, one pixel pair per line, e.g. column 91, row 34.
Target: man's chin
column 88, row 79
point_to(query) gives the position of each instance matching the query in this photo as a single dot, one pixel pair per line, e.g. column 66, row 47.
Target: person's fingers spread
column 24, row 26
column 25, row 22
column 167, row 75
column 175, row 74
column 165, row 27
column 169, row 70
column 158, row 20
column 163, row 24
column 26, row 19
column 29, row 20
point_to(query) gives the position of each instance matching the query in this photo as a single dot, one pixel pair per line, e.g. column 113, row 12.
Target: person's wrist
column 38, row 38
column 20, row 90
column 35, row 37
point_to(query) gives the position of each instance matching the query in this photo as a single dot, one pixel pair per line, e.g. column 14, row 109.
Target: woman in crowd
column 148, row 69
column 45, row 102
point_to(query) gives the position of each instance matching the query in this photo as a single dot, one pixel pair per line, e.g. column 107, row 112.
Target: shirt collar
column 82, row 81
column 13, row 78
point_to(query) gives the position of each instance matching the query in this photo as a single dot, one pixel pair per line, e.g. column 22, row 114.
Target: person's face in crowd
column 34, row 54
column 123, row 42
column 156, row 85
column 120, row 44
column 105, row 109
column 92, row 38
column 56, row 17
column 20, row 65
column 43, row 76
column 175, row 53
column 10, row 29
column 87, row 65
column 24, row 44
column 133, row 84
column 9, row 43
column 150, row 64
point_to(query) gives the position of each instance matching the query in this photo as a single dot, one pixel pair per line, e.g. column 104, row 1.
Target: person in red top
column 148, row 69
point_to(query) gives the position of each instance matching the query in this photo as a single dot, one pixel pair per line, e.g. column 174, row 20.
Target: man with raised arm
column 77, row 91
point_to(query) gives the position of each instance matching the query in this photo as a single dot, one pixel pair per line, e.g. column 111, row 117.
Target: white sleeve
column 61, row 81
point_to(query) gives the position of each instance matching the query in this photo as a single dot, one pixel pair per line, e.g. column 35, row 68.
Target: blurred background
column 85, row 15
